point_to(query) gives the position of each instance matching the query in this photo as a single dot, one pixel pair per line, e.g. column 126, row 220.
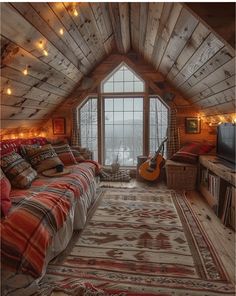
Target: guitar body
column 150, row 170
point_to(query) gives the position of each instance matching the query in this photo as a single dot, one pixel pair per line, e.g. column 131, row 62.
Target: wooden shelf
column 216, row 181
column 219, row 167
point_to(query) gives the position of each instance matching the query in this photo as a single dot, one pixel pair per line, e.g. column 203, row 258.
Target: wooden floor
column 222, row 237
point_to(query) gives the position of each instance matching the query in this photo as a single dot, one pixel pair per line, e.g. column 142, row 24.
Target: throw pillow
column 187, row 154
column 5, row 194
column 18, row 171
column 42, row 158
column 65, row 154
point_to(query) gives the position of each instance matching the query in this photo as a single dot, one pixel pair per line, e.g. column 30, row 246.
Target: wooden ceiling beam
column 116, row 25
column 124, row 9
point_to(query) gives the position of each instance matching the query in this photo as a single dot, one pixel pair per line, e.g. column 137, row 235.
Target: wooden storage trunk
column 181, row 175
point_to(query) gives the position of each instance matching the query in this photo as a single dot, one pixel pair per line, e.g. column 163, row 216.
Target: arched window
column 122, row 80
column 122, row 119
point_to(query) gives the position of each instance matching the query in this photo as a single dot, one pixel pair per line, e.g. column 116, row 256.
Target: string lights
column 9, row 92
column 75, row 12
column 25, row 71
column 45, row 52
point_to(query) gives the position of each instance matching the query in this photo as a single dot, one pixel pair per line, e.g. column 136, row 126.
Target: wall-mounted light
column 61, row 31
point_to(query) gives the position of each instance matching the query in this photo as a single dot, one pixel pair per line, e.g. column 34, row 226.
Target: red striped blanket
column 37, row 214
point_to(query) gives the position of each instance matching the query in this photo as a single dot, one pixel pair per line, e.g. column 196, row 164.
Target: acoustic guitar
column 150, row 169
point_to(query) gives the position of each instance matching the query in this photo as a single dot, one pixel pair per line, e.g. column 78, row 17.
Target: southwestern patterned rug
column 140, row 242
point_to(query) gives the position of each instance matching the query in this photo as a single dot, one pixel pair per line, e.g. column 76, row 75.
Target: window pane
column 138, row 86
column 109, row 117
column 118, row 76
column 128, row 117
column 118, row 87
column 123, row 80
column 128, row 86
column 127, row 136
column 109, row 105
column 108, row 87
column 128, row 76
column 128, row 104
column 158, row 122
column 118, row 105
column 138, row 104
column 88, row 126
column 118, row 117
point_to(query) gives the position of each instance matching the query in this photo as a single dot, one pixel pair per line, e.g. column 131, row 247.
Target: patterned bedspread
column 37, row 214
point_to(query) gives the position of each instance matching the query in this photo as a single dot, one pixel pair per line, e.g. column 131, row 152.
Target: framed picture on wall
column 192, row 125
column 59, row 126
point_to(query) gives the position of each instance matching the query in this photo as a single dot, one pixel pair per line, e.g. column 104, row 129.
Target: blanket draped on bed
column 38, row 213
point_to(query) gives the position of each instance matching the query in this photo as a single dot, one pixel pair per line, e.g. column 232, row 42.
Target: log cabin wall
column 61, row 45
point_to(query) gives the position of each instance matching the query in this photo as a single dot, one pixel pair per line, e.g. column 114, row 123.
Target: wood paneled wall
column 172, row 38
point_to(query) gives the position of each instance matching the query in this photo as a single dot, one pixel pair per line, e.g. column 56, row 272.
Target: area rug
column 140, row 242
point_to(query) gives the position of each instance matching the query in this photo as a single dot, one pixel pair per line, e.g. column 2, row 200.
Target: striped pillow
column 18, row 171
column 65, row 154
column 42, row 158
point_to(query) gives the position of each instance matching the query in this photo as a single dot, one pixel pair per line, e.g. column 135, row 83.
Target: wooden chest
column 181, row 175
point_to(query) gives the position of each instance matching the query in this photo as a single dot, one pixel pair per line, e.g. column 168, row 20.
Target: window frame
column 100, row 96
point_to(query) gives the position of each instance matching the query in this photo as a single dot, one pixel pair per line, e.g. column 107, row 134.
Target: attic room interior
column 117, row 143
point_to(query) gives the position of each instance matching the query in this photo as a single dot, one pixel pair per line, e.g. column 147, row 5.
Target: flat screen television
column 226, row 142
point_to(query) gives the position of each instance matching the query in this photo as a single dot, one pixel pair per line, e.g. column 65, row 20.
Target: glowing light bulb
column 75, row 12
column 61, row 31
column 9, row 91
column 25, row 71
column 45, row 52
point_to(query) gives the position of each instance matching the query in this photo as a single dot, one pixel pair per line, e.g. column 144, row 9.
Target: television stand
column 217, row 182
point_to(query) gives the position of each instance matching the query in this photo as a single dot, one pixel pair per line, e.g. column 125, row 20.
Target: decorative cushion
column 121, row 175
column 205, row 148
column 42, row 158
column 189, row 152
column 18, row 171
column 65, row 154
column 5, row 194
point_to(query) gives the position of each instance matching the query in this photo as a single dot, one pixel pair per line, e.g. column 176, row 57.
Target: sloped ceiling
column 59, row 48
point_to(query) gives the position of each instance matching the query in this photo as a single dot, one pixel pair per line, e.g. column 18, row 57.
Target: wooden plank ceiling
column 60, row 43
